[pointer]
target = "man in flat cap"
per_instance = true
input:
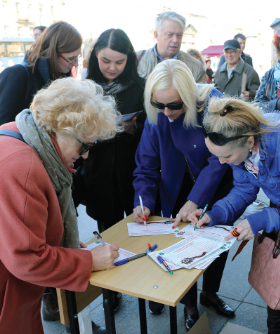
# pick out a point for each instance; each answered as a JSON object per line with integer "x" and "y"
{"x": 235, "y": 77}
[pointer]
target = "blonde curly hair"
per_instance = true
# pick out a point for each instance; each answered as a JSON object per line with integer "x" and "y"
{"x": 76, "y": 108}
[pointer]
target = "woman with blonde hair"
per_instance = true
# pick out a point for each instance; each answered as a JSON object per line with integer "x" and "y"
{"x": 39, "y": 234}
{"x": 172, "y": 159}
{"x": 242, "y": 136}
{"x": 52, "y": 57}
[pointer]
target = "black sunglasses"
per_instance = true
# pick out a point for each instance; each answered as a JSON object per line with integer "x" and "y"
{"x": 218, "y": 138}
{"x": 171, "y": 106}
{"x": 86, "y": 147}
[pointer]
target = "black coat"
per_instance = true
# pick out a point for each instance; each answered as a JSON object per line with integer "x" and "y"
{"x": 18, "y": 85}
{"x": 110, "y": 165}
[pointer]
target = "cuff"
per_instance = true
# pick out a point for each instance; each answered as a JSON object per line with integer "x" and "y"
{"x": 217, "y": 216}
{"x": 258, "y": 221}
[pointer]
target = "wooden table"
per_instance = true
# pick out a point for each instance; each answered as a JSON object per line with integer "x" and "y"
{"x": 141, "y": 278}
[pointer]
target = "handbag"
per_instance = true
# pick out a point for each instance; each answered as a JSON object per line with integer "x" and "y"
{"x": 265, "y": 268}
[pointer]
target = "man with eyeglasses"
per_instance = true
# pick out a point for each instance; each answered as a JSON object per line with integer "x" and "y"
{"x": 235, "y": 77}
{"x": 244, "y": 56}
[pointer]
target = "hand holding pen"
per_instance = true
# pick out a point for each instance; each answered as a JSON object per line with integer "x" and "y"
{"x": 140, "y": 215}
{"x": 197, "y": 220}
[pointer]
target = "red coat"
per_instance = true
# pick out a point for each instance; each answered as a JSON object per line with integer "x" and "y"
{"x": 31, "y": 229}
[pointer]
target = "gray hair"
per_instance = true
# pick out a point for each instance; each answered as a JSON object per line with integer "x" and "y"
{"x": 170, "y": 15}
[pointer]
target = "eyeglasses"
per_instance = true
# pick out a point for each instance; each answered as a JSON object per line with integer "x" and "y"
{"x": 86, "y": 147}
{"x": 218, "y": 138}
{"x": 171, "y": 106}
{"x": 232, "y": 52}
{"x": 70, "y": 62}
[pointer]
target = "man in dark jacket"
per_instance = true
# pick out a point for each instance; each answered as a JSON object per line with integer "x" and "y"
{"x": 235, "y": 77}
{"x": 246, "y": 58}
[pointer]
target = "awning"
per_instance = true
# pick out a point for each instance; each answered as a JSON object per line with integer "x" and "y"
{"x": 213, "y": 50}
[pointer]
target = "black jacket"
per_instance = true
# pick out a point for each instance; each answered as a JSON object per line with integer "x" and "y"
{"x": 18, "y": 85}
{"x": 110, "y": 165}
{"x": 243, "y": 56}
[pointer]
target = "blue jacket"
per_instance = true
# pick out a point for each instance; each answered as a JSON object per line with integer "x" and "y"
{"x": 246, "y": 187}
{"x": 161, "y": 163}
{"x": 267, "y": 93}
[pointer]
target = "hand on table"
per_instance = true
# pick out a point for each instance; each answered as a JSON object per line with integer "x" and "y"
{"x": 184, "y": 213}
{"x": 129, "y": 126}
{"x": 245, "y": 231}
{"x": 138, "y": 216}
{"x": 103, "y": 256}
{"x": 82, "y": 245}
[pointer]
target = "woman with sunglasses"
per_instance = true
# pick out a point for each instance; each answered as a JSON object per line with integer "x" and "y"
{"x": 53, "y": 57}
{"x": 268, "y": 94}
{"x": 248, "y": 140}
{"x": 39, "y": 237}
{"x": 172, "y": 158}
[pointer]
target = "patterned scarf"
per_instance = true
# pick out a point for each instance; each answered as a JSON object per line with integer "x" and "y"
{"x": 59, "y": 175}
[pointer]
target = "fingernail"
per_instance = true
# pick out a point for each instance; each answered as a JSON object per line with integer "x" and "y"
{"x": 146, "y": 216}
{"x": 173, "y": 227}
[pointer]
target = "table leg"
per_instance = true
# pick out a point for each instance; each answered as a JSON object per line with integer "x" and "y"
{"x": 109, "y": 311}
{"x": 142, "y": 314}
{"x": 173, "y": 320}
{"x": 72, "y": 311}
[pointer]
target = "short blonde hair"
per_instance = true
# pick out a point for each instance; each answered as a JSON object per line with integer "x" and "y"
{"x": 77, "y": 108}
{"x": 175, "y": 73}
{"x": 240, "y": 119}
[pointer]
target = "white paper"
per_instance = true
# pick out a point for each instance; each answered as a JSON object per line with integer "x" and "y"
{"x": 124, "y": 254}
{"x": 154, "y": 228}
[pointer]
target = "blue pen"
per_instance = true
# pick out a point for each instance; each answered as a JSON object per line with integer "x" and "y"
{"x": 153, "y": 248}
{"x": 161, "y": 260}
{"x": 119, "y": 263}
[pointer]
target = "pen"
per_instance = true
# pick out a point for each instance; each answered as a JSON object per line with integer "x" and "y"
{"x": 201, "y": 216}
{"x": 142, "y": 208}
{"x": 99, "y": 238}
{"x": 119, "y": 263}
{"x": 161, "y": 260}
{"x": 153, "y": 247}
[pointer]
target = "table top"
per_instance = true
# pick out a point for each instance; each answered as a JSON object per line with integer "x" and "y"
{"x": 143, "y": 278}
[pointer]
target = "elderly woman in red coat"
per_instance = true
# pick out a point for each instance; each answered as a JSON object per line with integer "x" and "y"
{"x": 39, "y": 238}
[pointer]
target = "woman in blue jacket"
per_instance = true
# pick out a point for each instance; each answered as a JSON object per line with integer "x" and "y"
{"x": 268, "y": 94}
{"x": 172, "y": 160}
{"x": 240, "y": 135}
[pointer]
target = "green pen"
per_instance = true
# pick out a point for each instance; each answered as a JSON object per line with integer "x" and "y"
{"x": 201, "y": 216}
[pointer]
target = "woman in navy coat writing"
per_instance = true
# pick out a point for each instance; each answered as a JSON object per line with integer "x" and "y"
{"x": 173, "y": 160}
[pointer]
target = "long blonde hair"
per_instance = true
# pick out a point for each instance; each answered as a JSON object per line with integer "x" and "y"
{"x": 175, "y": 73}
{"x": 233, "y": 117}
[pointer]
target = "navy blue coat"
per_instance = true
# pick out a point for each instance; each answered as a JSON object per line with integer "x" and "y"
{"x": 161, "y": 160}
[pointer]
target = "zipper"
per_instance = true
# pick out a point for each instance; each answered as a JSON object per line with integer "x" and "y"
{"x": 190, "y": 170}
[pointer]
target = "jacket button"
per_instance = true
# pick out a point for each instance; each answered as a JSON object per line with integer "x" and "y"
{"x": 194, "y": 146}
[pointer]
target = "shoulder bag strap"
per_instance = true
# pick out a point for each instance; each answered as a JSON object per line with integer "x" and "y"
{"x": 12, "y": 134}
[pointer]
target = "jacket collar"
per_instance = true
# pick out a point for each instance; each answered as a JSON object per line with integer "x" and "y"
{"x": 238, "y": 68}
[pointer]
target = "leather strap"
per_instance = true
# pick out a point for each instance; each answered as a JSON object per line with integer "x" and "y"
{"x": 12, "y": 134}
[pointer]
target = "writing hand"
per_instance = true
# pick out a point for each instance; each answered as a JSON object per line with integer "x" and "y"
{"x": 193, "y": 218}
{"x": 103, "y": 256}
{"x": 138, "y": 215}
